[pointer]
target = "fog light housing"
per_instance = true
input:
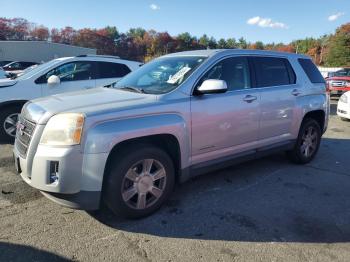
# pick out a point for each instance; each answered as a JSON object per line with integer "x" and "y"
{"x": 343, "y": 98}
{"x": 54, "y": 172}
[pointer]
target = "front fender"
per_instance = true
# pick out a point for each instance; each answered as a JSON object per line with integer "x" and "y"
{"x": 102, "y": 137}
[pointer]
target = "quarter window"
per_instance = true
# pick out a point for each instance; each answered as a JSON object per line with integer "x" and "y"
{"x": 311, "y": 70}
{"x": 273, "y": 71}
{"x": 234, "y": 71}
{"x": 112, "y": 70}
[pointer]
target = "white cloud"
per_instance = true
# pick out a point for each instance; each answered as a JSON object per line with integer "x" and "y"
{"x": 335, "y": 16}
{"x": 266, "y": 22}
{"x": 154, "y": 7}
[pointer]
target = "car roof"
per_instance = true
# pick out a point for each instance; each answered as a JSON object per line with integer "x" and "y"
{"x": 96, "y": 58}
{"x": 212, "y": 52}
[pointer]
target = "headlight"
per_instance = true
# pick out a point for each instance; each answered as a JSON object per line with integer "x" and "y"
{"x": 344, "y": 99}
{"x": 63, "y": 130}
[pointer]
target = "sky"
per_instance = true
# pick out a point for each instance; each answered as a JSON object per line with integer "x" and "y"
{"x": 267, "y": 21}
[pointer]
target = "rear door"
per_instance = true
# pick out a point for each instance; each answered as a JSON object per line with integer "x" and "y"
{"x": 108, "y": 72}
{"x": 227, "y": 123}
{"x": 276, "y": 81}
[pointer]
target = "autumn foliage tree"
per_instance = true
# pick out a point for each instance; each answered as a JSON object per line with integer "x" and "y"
{"x": 339, "y": 47}
{"x": 142, "y": 45}
{"x": 40, "y": 33}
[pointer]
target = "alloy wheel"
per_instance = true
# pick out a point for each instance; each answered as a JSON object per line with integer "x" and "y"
{"x": 10, "y": 124}
{"x": 143, "y": 184}
{"x": 309, "y": 142}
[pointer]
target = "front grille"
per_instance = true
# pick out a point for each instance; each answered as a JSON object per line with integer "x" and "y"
{"x": 338, "y": 83}
{"x": 25, "y": 130}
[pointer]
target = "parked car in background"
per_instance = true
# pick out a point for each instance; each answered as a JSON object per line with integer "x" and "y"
{"x": 3, "y": 63}
{"x": 17, "y": 66}
{"x": 176, "y": 117}
{"x": 3, "y": 74}
{"x": 339, "y": 82}
{"x": 57, "y": 76}
{"x": 343, "y": 109}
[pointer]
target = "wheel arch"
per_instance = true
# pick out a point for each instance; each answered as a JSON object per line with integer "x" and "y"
{"x": 318, "y": 115}
{"x": 168, "y": 142}
{"x": 13, "y": 103}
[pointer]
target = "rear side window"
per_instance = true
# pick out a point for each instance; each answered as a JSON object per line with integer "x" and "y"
{"x": 112, "y": 70}
{"x": 311, "y": 70}
{"x": 273, "y": 71}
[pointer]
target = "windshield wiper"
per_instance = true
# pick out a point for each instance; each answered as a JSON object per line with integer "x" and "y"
{"x": 133, "y": 89}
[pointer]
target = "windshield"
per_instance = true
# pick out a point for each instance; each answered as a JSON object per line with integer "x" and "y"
{"x": 37, "y": 69}
{"x": 344, "y": 72}
{"x": 162, "y": 75}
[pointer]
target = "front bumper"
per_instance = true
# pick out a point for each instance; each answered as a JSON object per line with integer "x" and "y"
{"x": 343, "y": 110}
{"x": 80, "y": 176}
{"x": 338, "y": 91}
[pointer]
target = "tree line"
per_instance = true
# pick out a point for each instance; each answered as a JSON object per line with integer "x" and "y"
{"x": 139, "y": 44}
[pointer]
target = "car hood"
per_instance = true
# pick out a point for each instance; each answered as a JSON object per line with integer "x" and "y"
{"x": 7, "y": 82}
{"x": 339, "y": 78}
{"x": 89, "y": 102}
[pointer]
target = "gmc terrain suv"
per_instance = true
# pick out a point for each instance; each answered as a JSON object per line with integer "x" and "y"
{"x": 56, "y": 76}
{"x": 176, "y": 117}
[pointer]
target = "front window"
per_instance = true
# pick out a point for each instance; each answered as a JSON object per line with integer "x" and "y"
{"x": 234, "y": 71}
{"x": 344, "y": 72}
{"x": 162, "y": 75}
{"x": 74, "y": 71}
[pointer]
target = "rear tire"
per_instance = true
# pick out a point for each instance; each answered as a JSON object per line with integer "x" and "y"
{"x": 8, "y": 121}
{"x": 140, "y": 179}
{"x": 308, "y": 142}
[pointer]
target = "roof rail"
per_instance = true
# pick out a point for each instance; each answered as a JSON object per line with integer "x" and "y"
{"x": 106, "y": 56}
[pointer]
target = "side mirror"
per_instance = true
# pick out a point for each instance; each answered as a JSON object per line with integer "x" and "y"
{"x": 212, "y": 86}
{"x": 53, "y": 80}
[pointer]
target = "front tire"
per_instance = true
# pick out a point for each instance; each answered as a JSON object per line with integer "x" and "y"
{"x": 8, "y": 121}
{"x": 308, "y": 142}
{"x": 140, "y": 179}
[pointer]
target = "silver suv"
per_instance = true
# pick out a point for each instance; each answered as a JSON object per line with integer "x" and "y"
{"x": 176, "y": 117}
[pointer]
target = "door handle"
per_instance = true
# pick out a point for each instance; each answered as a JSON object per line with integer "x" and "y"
{"x": 88, "y": 87}
{"x": 249, "y": 98}
{"x": 295, "y": 92}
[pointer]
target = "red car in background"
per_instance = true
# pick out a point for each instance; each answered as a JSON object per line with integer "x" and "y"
{"x": 338, "y": 82}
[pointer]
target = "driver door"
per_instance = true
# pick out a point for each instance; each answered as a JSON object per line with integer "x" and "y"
{"x": 74, "y": 76}
{"x": 225, "y": 123}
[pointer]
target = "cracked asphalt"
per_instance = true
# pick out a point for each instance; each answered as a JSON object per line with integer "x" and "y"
{"x": 263, "y": 210}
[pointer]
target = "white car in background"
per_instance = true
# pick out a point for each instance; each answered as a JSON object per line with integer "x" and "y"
{"x": 343, "y": 109}
{"x": 2, "y": 73}
{"x": 57, "y": 76}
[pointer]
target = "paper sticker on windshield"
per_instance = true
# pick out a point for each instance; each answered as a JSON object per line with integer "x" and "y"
{"x": 178, "y": 75}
